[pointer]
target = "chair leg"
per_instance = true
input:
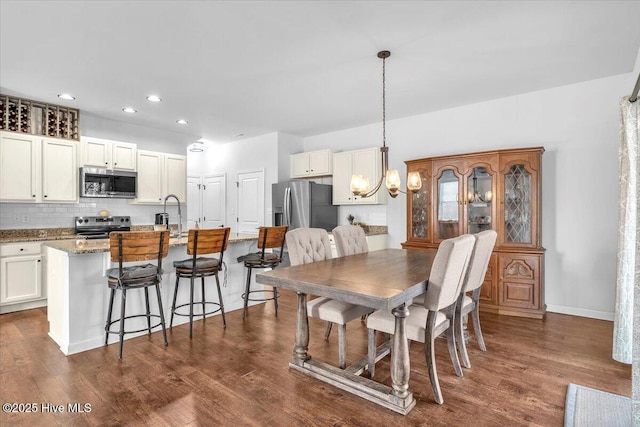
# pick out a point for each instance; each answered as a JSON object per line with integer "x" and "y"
{"x": 451, "y": 343}
{"x": 342, "y": 345}
{"x": 433, "y": 373}
{"x": 246, "y": 292}
{"x": 164, "y": 328}
{"x": 203, "y": 298}
{"x": 475, "y": 314}
{"x": 459, "y": 333}
{"x": 191, "y": 308}
{"x": 371, "y": 353}
{"x": 327, "y": 331}
{"x": 175, "y": 297}
{"x": 146, "y": 300}
{"x": 224, "y": 319}
{"x": 106, "y": 327}
{"x": 122, "y": 310}
{"x": 275, "y": 299}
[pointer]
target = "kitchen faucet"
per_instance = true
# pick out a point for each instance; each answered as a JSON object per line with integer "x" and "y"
{"x": 179, "y": 234}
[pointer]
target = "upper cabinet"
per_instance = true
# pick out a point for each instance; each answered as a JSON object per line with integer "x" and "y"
{"x": 312, "y": 163}
{"x": 367, "y": 163}
{"x": 102, "y": 153}
{"x": 160, "y": 174}
{"x": 469, "y": 193}
{"x": 37, "y": 170}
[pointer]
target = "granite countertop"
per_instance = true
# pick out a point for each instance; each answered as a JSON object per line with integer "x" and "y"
{"x": 83, "y": 246}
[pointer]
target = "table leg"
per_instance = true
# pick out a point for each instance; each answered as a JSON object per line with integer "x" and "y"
{"x": 302, "y": 332}
{"x": 400, "y": 367}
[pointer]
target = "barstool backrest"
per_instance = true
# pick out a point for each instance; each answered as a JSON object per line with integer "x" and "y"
{"x": 126, "y": 246}
{"x": 271, "y": 238}
{"x": 210, "y": 241}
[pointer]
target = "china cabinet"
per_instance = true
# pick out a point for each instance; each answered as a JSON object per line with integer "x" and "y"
{"x": 469, "y": 193}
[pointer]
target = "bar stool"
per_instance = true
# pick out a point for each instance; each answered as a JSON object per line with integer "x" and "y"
{"x": 268, "y": 238}
{"x": 201, "y": 242}
{"x": 136, "y": 246}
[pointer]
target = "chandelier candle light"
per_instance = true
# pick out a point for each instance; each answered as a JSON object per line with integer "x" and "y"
{"x": 360, "y": 184}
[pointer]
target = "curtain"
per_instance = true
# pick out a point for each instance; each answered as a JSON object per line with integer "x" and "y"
{"x": 628, "y": 258}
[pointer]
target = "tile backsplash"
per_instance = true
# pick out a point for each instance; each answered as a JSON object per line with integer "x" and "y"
{"x": 47, "y": 215}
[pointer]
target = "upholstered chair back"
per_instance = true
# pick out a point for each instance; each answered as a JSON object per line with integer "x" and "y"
{"x": 448, "y": 272}
{"x": 350, "y": 240}
{"x": 479, "y": 262}
{"x": 307, "y": 245}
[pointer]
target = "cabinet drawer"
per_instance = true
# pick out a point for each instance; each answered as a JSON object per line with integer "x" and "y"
{"x": 13, "y": 249}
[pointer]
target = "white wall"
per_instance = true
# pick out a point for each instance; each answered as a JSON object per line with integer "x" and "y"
{"x": 248, "y": 154}
{"x": 579, "y": 127}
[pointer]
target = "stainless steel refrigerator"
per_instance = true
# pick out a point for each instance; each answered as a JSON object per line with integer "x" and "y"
{"x": 304, "y": 204}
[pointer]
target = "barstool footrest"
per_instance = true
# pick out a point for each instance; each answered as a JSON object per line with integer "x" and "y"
{"x": 195, "y": 303}
{"x": 273, "y": 291}
{"x": 109, "y": 331}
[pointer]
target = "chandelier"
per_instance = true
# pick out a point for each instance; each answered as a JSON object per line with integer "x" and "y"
{"x": 359, "y": 184}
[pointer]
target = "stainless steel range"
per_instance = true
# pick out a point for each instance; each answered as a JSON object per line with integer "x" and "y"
{"x": 99, "y": 227}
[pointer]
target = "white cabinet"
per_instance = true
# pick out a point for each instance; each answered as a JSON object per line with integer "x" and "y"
{"x": 38, "y": 170}
{"x": 367, "y": 163}
{"x": 102, "y": 153}
{"x": 312, "y": 163}
{"x": 375, "y": 242}
{"x": 160, "y": 174}
{"x": 21, "y": 284}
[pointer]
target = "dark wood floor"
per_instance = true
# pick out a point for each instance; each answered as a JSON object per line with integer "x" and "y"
{"x": 239, "y": 376}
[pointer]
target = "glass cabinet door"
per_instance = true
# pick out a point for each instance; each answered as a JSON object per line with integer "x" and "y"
{"x": 479, "y": 200}
{"x": 420, "y": 209}
{"x": 517, "y": 205}
{"x": 448, "y": 205}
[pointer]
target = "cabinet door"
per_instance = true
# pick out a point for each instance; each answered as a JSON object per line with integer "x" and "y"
{"x": 59, "y": 171}
{"x": 19, "y": 167}
{"x": 448, "y": 184}
{"x": 149, "y": 177}
{"x": 21, "y": 279}
{"x": 300, "y": 165}
{"x": 419, "y": 205}
{"x": 519, "y": 189}
{"x": 320, "y": 162}
{"x": 519, "y": 283}
{"x": 480, "y": 183}
{"x": 368, "y": 163}
{"x": 96, "y": 153}
{"x": 489, "y": 289}
{"x": 175, "y": 176}
{"x": 342, "y": 178}
{"x": 123, "y": 156}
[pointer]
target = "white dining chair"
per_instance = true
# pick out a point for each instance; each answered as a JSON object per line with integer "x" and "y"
{"x": 484, "y": 243}
{"x": 350, "y": 240}
{"x": 306, "y": 245}
{"x": 426, "y": 322}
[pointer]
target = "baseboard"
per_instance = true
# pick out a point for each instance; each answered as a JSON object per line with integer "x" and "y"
{"x": 593, "y": 314}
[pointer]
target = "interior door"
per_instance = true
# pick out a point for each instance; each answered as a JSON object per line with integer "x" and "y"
{"x": 214, "y": 201}
{"x": 250, "y": 201}
{"x": 194, "y": 201}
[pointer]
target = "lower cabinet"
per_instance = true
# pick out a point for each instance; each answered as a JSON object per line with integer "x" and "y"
{"x": 374, "y": 242}
{"x": 21, "y": 284}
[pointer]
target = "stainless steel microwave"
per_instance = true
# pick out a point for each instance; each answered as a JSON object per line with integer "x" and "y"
{"x": 97, "y": 182}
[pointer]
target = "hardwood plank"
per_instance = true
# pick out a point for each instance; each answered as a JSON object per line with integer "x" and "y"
{"x": 240, "y": 376}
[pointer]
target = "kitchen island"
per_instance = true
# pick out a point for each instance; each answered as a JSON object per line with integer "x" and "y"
{"x": 78, "y": 294}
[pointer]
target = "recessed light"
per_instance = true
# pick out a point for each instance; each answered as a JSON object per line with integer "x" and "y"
{"x": 182, "y": 122}
{"x": 66, "y": 96}
{"x": 197, "y": 147}
{"x": 129, "y": 110}
{"x": 154, "y": 98}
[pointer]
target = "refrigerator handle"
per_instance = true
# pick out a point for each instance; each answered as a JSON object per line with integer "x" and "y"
{"x": 286, "y": 206}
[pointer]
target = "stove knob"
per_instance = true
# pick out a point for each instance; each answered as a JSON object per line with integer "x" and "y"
{"x": 126, "y": 219}
{"x": 80, "y": 221}
{"x": 121, "y": 219}
{"x": 86, "y": 220}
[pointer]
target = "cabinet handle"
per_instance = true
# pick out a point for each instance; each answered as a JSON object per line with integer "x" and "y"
{"x": 45, "y": 195}
{"x": 38, "y": 260}
{"x": 33, "y": 195}
{"x": 21, "y": 249}
{"x": 106, "y": 163}
{"x": 115, "y": 164}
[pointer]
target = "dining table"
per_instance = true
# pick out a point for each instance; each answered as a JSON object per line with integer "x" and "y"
{"x": 386, "y": 279}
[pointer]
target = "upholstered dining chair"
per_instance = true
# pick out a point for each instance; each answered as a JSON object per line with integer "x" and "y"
{"x": 484, "y": 243}
{"x": 201, "y": 242}
{"x": 426, "y": 322}
{"x": 306, "y": 245}
{"x": 350, "y": 240}
{"x": 129, "y": 247}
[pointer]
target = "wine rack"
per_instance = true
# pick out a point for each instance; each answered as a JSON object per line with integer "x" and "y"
{"x": 37, "y": 118}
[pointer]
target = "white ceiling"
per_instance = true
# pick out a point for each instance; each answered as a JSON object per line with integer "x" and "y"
{"x": 303, "y": 68}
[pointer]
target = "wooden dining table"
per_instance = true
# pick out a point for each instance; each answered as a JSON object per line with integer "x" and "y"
{"x": 387, "y": 279}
